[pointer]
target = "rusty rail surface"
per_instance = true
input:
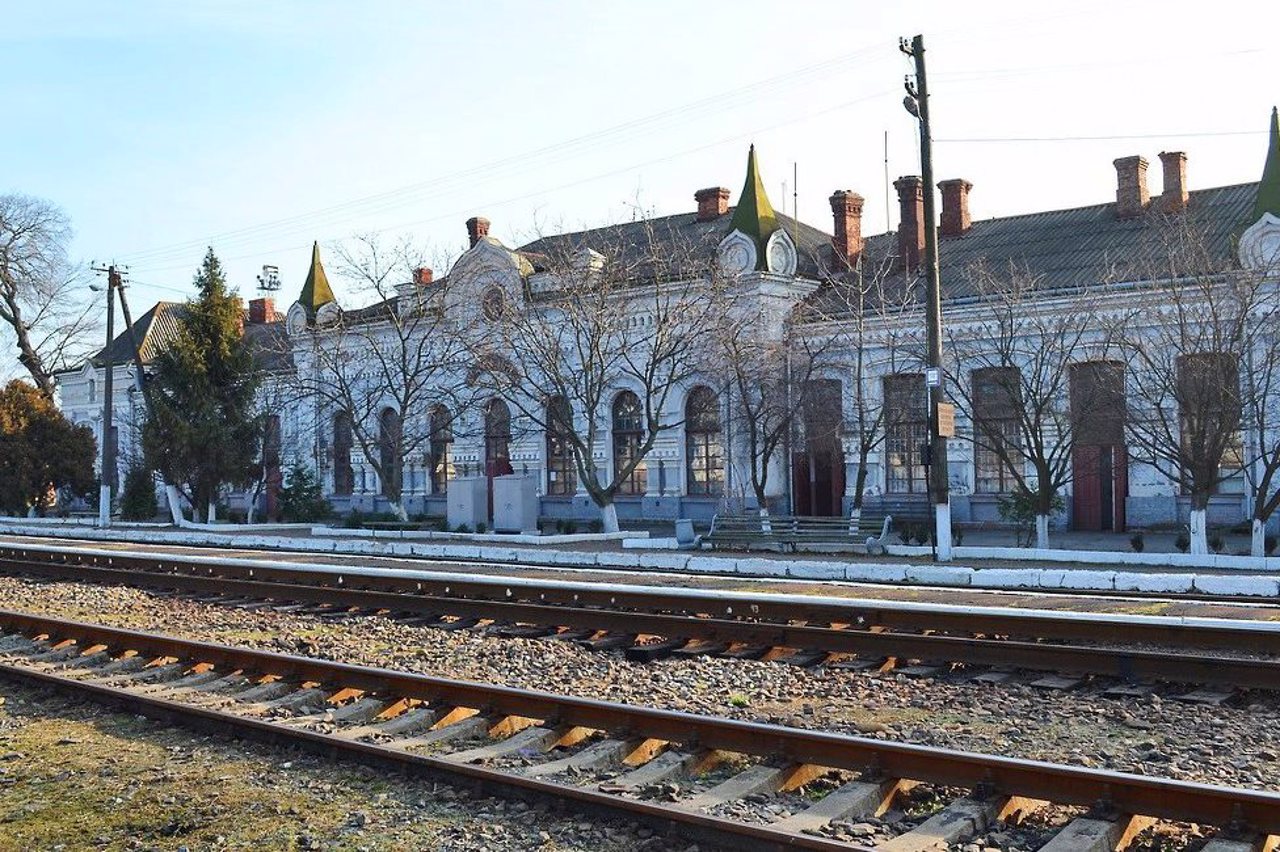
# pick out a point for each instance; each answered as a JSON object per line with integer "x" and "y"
{"x": 989, "y": 776}
{"x": 1154, "y": 648}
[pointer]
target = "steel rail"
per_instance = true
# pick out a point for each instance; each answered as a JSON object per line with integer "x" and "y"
{"x": 464, "y": 561}
{"x": 1158, "y": 798}
{"x": 1259, "y": 637}
{"x": 1125, "y": 664}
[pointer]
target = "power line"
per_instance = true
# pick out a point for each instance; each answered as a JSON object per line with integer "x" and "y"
{"x": 566, "y": 149}
{"x": 1106, "y": 138}
{"x": 577, "y": 182}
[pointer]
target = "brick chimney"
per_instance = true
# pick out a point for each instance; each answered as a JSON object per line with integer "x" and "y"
{"x": 713, "y": 203}
{"x": 846, "y": 220}
{"x": 1174, "y": 198}
{"x": 1132, "y": 197}
{"x": 911, "y": 229}
{"x": 262, "y": 311}
{"x": 477, "y": 229}
{"x": 955, "y": 207}
{"x": 422, "y": 276}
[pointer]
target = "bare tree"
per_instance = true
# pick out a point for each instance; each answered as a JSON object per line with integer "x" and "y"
{"x": 871, "y": 335}
{"x": 384, "y": 365}
{"x": 42, "y": 294}
{"x": 1186, "y": 335}
{"x": 627, "y": 313}
{"x": 1011, "y": 372}
{"x": 769, "y": 364}
{"x": 1261, "y": 387}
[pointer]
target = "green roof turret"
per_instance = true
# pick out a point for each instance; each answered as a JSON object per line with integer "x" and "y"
{"x": 1268, "y": 198}
{"x": 316, "y": 292}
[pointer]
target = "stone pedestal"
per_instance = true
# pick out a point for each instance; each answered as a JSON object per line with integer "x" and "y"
{"x": 468, "y": 502}
{"x": 515, "y": 504}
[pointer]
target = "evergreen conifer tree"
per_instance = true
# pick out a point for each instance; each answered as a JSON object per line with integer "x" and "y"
{"x": 203, "y": 429}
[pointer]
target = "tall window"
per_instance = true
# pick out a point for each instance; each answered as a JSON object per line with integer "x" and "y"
{"x": 344, "y": 478}
{"x": 389, "y": 451}
{"x": 497, "y": 438}
{"x": 628, "y": 436}
{"x": 562, "y": 478}
{"x": 906, "y": 414}
{"x": 704, "y": 450}
{"x": 440, "y": 450}
{"x": 996, "y": 431}
{"x": 1209, "y": 417}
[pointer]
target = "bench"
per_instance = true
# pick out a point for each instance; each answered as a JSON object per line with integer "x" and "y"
{"x": 781, "y": 532}
{"x": 894, "y": 515}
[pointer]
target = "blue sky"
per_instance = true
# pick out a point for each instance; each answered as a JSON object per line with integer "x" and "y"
{"x": 258, "y": 127}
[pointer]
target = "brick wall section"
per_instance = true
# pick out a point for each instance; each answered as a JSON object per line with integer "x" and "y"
{"x": 477, "y": 229}
{"x": 1132, "y": 197}
{"x": 422, "y": 276}
{"x": 955, "y": 220}
{"x": 911, "y": 227}
{"x": 713, "y": 203}
{"x": 1174, "y": 166}
{"x": 846, "y": 218}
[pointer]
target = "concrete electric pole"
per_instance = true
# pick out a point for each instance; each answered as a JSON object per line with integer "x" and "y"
{"x": 108, "y": 392}
{"x": 941, "y": 414}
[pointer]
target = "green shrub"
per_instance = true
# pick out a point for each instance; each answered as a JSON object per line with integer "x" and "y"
{"x": 922, "y": 534}
{"x": 138, "y": 499}
{"x": 1268, "y": 543}
{"x": 904, "y": 534}
{"x": 462, "y": 528}
{"x": 1137, "y": 542}
{"x": 482, "y": 527}
{"x": 1216, "y": 542}
{"x": 302, "y": 499}
{"x": 595, "y": 525}
{"x": 1019, "y": 509}
{"x": 1182, "y": 542}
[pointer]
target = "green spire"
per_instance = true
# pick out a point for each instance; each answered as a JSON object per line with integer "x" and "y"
{"x": 316, "y": 291}
{"x": 1268, "y": 200}
{"x": 754, "y": 214}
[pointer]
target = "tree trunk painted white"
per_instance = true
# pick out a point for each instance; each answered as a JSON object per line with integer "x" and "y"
{"x": 1199, "y": 538}
{"x": 765, "y": 526}
{"x": 1258, "y": 539}
{"x": 855, "y": 520}
{"x": 175, "y": 504}
{"x": 212, "y": 514}
{"x": 1042, "y": 532}
{"x": 31, "y": 510}
{"x": 397, "y": 508}
{"x": 609, "y": 518}
{"x": 104, "y": 505}
{"x": 253, "y": 506}
{"x": 943, "y": 528}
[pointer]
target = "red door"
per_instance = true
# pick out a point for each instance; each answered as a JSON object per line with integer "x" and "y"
{"x": 1100, "y": 483}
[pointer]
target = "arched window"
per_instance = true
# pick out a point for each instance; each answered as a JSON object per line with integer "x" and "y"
{"x": 561, "y": 473}
{"x": 93, "y": 391}
{"x": 704, "y": 450}
{"x": 497, "y": 438}
{"x": 389, "y": 452}
{"x": 344, "y": 479}
{"x": 440, "y": 452}
{"x": 628, "y": 436}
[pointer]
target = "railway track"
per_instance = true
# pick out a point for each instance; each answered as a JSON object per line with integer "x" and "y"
{"x": 649, "y": 623}
{"x": 1221, "y": 655}
{"x": 611, "y": 758}
{"x": 462, "y": 563}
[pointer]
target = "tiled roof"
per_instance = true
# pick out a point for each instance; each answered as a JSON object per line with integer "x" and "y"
{"x": 679, "y": 236}
{"x": 153, "y": 330}
{"x": 1061, "y": 249}
{"x": 158, "y": 327}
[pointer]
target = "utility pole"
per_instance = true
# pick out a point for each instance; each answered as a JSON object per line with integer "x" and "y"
{"x": 108, "y": 445}
{"x": 940, "y": 412}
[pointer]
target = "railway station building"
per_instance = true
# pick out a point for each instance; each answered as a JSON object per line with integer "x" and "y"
{"x": 848, "y": 309}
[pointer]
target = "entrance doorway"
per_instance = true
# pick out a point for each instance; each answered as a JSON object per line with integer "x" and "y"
{"x": 1099, "y": 460}
{"x": 817, "y": 471}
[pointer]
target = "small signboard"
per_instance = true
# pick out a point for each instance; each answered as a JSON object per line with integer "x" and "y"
{"x": 946, "y": 413}
{"x": 932, "y": 377}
